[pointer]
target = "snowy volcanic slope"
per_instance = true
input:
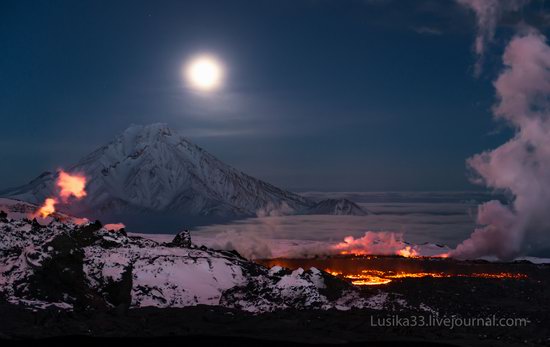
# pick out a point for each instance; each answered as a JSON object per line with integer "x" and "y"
{"x": 82, "y": 267}
{"x": 151, "y": 168}
{"x": 337, "y": 207}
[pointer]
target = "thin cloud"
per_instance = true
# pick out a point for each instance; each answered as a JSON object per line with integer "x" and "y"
{"x": 488, "y": 14}
{"x": 424, "y": 30}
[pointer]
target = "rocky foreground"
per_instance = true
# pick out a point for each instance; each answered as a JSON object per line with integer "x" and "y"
{"x": 69, "y": 281}
{"x": 88, "y": 267}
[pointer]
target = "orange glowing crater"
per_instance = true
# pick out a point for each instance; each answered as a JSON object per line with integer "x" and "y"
{"x": 47, "y": 208}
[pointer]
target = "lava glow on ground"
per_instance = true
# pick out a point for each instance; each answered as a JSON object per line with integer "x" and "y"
{"x": 381, "y": 270}
{"x": 375, "y": 277}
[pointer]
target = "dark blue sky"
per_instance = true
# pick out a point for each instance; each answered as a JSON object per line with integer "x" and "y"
{"x": 320, "y": 95}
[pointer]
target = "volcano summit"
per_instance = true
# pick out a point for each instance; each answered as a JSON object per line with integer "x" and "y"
{"x": 151, "y": 171}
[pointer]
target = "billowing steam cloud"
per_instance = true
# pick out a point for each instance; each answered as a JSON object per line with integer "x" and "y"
{"x": 71, "y": 185}
{"x": 488, "y": 13}
{"x": 378, "y": 243}
{"x": 522, "y": 165}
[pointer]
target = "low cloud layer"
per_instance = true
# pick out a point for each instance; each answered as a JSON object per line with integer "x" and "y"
{"x": 416, "y": 222}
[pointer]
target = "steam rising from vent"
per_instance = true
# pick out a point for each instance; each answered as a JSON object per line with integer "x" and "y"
{"x": 70, "y": 185}
{"x": 522, "y": 165}
{"x": 488, "y": 13}
{"x": 377, "y": 243}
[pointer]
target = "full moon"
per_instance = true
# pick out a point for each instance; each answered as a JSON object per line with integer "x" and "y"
{"x": 204, "y": 73}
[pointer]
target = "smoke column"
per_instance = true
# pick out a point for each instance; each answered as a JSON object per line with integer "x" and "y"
{"x": 522, "y": 165}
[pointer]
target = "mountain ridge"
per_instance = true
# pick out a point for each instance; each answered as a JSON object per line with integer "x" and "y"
{"x": 152, "y": 169}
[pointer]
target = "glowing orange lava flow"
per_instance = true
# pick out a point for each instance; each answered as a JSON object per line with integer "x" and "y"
{"x": 376, "y": 277}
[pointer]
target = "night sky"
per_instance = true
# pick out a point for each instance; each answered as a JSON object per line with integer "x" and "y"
{"x": 319, "y": 95}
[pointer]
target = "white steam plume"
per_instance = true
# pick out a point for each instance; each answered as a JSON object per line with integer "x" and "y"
{"x": 522, "y": 165}
{"x": 488, "y": 13}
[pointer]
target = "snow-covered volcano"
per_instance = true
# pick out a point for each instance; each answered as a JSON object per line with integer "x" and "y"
{"x": 152, "y": 168}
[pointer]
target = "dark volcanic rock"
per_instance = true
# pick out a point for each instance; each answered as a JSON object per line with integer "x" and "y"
{"x": 200, "y": 324}
{"x": 182, "y": 239}
{"x": 58, "y": 272}
{"x": 119, "y": 293}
